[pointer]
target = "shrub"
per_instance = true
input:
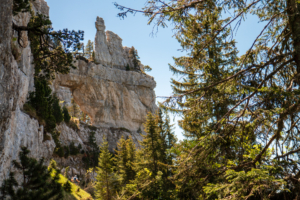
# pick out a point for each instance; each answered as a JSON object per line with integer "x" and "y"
{"x": 73, "y": 125}
{"x": 27, "y": 108}
{"x": 46, "y": 137}
{"x": 73, "y": 149}
{"x": 127, "y": 68}
{"x": 67, "y": 151}
{"x": 67, "y": 187}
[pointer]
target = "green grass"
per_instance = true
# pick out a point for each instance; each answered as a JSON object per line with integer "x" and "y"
{"x": 75, "y": 194}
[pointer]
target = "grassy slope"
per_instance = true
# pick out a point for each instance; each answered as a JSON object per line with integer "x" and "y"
{"x": 81, "y": 195}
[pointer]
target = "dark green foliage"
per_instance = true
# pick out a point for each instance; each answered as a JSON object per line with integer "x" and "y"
{"x": 50, "y": 60}
{"x": 51, "y": 49}
{"x": 67, "y": 151}
{"x": 67, "y": 187}
{"x": 57, "y": 111}
{"x": 127, "y": 68}
{"x": 21, "y": 6}
{"x": 73, "y": 149}
{"x": 94, "y": 154}
{"x": 124, "y": 161}
{"x": 59, "y": 149}
{"x": 42, "y": 101}
{"x": 36, "y": 184}
{"x": 66, "y": 115}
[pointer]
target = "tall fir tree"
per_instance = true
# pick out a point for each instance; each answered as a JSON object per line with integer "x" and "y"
{"x": 105, "y": 177}
{"x": 124, "y": 161}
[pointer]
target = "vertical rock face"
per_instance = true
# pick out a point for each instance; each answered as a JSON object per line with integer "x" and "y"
{"x": 16, "y": 79}
{"x": 102, "y": 54}
{"x": 116, "y": 50}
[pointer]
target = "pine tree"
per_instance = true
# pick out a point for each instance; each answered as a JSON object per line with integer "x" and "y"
{"x": 135, "y": 58}
{"x": 36, "y": 181}
{"x": 57, "y": 111}
{"x": 66, "y": 114}
{"x": 20, "y": 6}
{"x": 89, "y": 48}
{"x": 95, "y": 149}
{"x": 124, "y": 161}
{"x": 48, "y": 58}
{"x": 105, "y": 177}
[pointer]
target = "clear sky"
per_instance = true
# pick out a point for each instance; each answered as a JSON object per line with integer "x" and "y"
{"x": 156, "y": 51}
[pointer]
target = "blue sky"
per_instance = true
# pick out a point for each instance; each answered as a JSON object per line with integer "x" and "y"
{"x": 156, "y": 51}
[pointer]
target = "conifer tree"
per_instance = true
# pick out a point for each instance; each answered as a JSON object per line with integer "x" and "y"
{"x": 57, "y": 111}
{"x": 42, "y": 100}
{"x": 66, "y": 114}
{"x": 105, "y": 177}
{"x": 124, "y": 161}
{"x": 135, "y": 58}
{"x": 36, "y": 181}
{"x": 95, "y": 149}
{"x": 89, "y": 48}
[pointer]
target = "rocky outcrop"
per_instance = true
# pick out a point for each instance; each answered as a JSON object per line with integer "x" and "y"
{"x": 110, "y": 96}
{"x": 109, "y": 51}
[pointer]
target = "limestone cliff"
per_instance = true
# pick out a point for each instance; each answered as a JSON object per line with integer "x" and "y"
{"x": 116, "y": 100}
{"x": 16, "y": 79}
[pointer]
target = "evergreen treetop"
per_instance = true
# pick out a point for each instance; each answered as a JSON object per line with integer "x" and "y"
{"x": 105, "y": 178}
